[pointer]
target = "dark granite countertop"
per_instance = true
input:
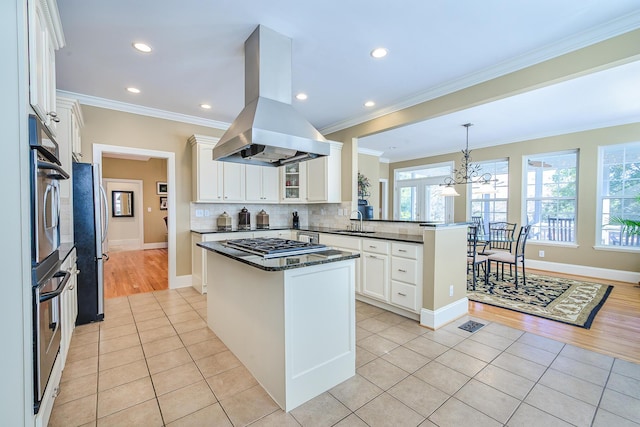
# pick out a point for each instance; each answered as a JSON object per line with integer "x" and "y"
{"x": 279, "y": 264}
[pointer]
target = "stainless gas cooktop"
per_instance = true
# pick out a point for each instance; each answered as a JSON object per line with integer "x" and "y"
{"x": 273, "y": 247}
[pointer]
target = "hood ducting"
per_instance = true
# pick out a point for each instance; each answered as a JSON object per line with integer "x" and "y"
{"x": 269, "y": 131}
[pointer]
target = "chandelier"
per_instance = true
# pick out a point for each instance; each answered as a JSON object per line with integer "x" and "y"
{"x": 468, "y": 173}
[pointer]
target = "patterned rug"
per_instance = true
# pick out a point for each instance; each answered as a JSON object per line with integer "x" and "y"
{"x": 564, "y": 300}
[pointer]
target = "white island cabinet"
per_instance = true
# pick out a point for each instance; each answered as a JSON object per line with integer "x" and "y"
{"x": 290, "y": 321}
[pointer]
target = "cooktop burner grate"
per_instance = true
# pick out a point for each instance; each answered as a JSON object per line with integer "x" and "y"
{"x": 271, "y": 247}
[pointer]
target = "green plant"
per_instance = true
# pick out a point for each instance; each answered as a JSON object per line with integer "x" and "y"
{"x": 628, "y": 226}
{"x": 363, "y": 186}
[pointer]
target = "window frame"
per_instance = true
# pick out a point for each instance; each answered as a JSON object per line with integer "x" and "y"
{"x": 526, "y": 199}
{"x": 491, "y": 200}
{"x": 421, "y": 184}
{"x": 600, "y": 198}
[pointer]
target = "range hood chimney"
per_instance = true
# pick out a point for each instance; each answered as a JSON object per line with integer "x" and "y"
{"x": 269, "y": 131}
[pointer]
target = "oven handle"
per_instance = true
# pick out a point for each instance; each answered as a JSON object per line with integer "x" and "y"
{"x": 50, "y": 295}
{"x": 52, "y": 166}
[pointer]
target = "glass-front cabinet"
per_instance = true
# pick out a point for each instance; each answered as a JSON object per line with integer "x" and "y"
{"x": 294, "y": 182}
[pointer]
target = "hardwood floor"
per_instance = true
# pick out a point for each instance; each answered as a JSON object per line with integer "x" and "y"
{"x": 615, "y": 330}
{"x": 135, "y": 272}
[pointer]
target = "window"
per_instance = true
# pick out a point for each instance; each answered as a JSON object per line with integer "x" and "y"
{"x": 417, "y": 195}
{"x": 618, "y": 195}
{"x": 551, "y": 201}
{"x": 491, "y": 207}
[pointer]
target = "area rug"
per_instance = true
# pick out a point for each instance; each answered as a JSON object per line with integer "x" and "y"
{"x": 563, "y": 300}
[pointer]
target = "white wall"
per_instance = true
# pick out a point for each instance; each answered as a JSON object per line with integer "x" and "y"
{"x": 125, "y": 233}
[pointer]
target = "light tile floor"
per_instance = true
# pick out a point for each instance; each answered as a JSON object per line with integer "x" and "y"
{"x": 154, "y": 362}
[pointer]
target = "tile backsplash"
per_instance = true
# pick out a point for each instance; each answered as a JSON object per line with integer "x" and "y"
{"x": 331, "y": 215}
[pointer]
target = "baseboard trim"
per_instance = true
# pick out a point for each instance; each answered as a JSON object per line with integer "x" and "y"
{"x": 122, "y": 245}
{"x": 181, "y": 282}
{"x": 444, "y": 315}
{"x": 584, "y": 270}
{"x": 158, "y": 245}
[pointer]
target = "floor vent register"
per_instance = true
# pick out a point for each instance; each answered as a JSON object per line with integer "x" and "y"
{"x": 471, "y": 326}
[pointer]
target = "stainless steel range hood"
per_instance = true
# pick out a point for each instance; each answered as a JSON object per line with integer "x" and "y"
{"x": 269, "y": 131}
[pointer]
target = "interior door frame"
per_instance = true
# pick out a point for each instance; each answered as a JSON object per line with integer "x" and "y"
{"x": 99, "y": 149}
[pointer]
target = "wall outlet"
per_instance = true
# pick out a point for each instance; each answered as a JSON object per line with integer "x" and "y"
{"x": 541, "y": 254}
{"x": 199, "y": 213}
{"x": 451, "y": 290}
{"x": 148, "y": 209}
{"x": 207, "y": 213}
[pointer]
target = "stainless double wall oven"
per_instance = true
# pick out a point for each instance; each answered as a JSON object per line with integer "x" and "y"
{"x": 47, "y": 281}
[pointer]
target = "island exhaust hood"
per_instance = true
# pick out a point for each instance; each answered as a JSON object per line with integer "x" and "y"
{"x": 269, "y": 131}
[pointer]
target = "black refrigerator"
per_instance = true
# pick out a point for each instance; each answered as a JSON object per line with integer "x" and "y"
{"x": 90, "y": 224}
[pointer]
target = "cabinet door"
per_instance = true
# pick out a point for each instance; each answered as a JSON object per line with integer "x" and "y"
{"x": 233, "y": 181}
{"x": 208, "y": 177}
{"x": 375, "y": 276}
{"x": 294, "y": 182}
{"x": 38, "y": 60}
{"x": 270, "y": 187}
{"x": 317, "y": 180}
{"x": 253, "y": 183}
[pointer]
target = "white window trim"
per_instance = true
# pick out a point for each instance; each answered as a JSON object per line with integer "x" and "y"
{"x": 524, "y": 219}
{"x": 597, "y": 246}
{"x": 396, "y": 193}
{"x": 470, "y": 191}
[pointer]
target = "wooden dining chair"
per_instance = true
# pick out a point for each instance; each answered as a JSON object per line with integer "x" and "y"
{"x": 475, "y": 260}
{"x": 512, "y": 259}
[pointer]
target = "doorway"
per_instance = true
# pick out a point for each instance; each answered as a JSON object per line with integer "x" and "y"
{"x": 99, "y": 149}
{"x": 126, "y": 232}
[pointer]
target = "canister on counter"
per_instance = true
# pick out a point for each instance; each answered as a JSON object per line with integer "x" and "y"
{"x": 244, "y": 220}
{"x": 262, "y": 220}
{"x": 224, "y": 222}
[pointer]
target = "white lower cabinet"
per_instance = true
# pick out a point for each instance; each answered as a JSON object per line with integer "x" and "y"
{"x": 387, "y": 271}
{"x": 375, "y": 275}
{"x": 68, "y": 305}
{"x": 199, "y": 276}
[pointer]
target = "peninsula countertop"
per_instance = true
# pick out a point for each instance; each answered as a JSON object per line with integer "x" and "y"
{"x": 279, "y": 264}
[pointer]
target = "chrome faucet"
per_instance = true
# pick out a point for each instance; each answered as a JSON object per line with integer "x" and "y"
{"x": 359, "y": 213}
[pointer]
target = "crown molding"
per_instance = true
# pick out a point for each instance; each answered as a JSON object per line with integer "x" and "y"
{"x": 370, "y": 152}
{"x": 572, "y": 43}
{"x": 95, "y": 101}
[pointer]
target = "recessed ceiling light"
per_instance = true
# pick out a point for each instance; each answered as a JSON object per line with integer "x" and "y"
{"x": 379, "y": 52}
{"x": 142, "y": 47}
{"x": 133, "y": 90}
{"x": 205, "y": 106}
{"x": 369, "y": 104}
{"x": 301, "y": 96}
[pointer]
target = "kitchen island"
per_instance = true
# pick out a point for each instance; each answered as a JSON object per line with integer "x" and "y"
{"x": 290, "y": 320}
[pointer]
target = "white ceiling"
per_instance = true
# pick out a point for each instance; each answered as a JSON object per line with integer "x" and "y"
{"x": 434, "y": 48}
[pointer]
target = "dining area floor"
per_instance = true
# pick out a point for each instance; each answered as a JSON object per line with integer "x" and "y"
{"x": 153, "y": 362}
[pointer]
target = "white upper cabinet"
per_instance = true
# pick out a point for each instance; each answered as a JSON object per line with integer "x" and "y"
{"x": 214, "y": 181}
{"x": 324, "y": 176}
{"x": 45, "y": 37}
{"x": 68, "y": 137}
{"x": 294, "y": 182}
{"x": 261, "y": 184}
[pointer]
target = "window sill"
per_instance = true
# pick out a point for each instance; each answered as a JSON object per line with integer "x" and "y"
{"x": 630, "y": 249}
{"x": 571, "y": 245}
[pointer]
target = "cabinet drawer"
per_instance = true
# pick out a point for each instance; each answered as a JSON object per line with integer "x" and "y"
{"x": 404, "y": 295}
{"x": 375, "y": 246}
{"x": 404, "y": 250}
{"x": 405, "y": 270}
